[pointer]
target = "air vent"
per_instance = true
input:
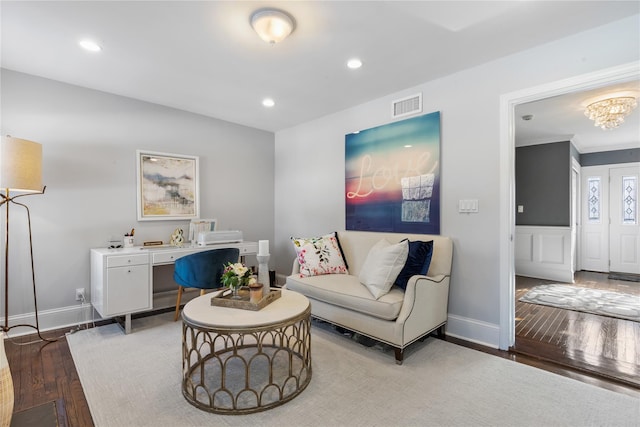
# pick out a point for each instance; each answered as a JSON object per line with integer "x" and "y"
{"x": 406, "y": 106}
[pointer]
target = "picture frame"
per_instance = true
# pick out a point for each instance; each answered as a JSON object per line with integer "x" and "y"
{"x": 392, "y": 177}
{"x": 199, "y": 225}
{"x": 167, "y": 186}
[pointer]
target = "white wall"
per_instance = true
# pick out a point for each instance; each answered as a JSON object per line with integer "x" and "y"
{"x": 309, "y": 175}
{"x": 89, "y": 141}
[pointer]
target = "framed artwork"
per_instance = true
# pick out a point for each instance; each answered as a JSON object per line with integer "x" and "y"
{"x": 167, "y": 187}
{"x": 392, "y": 177}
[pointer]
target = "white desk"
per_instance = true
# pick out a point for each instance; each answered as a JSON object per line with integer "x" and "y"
{"x": 122, "y": 279}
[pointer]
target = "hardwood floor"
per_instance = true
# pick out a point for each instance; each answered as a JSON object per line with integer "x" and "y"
{"x": 601, "y": 345}
{"x": 45, "y": 372}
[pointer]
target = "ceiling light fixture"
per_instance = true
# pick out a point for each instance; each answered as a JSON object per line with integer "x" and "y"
{"x": 610, "y": 113}
{"x": 354, "y": 63}
{"x": 90, "y": 45}
{"x": 268, "y": 102}
{"x": 272, "y": 25}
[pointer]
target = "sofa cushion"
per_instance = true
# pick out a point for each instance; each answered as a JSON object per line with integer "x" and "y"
{"x": 418, "y": 262}
{"x": 346, "y": 291}
{"x": 382, "y": 266}
{"x": 319, "y": 255}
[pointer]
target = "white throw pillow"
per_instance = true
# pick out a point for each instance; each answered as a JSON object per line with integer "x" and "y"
{"x": 382, "y": 266}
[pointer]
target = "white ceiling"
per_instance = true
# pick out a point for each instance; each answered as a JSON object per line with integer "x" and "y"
{"x": 204, "y": 57}
{"x": 561, "y": 118}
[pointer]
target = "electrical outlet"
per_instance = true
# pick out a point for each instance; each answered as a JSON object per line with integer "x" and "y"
{"x": 80, "y": 294}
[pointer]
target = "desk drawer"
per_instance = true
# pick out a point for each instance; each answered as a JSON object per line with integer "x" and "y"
{"x": 121, "y": 261}
{"x": 248, "y": 248}
{"x": 170, "y": 257}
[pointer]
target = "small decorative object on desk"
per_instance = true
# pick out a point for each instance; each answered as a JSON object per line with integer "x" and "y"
{"x": 128, "y": 239}
{"x": 236, "y": 276}
{"x": 177, "y": 238}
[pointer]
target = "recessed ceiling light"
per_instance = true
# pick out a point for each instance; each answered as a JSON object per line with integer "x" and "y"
{"x": 354, "y": 63}
{"x": 268, "y": 102}
{"x": 90, "y": 45}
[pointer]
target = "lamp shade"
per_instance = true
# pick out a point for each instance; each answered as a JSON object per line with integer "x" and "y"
{"x": 20, "y": 165}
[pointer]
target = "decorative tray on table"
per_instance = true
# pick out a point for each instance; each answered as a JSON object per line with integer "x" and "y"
{"x": 244, "y": 303}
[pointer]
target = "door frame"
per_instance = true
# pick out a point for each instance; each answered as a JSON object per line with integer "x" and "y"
{"x": 508, "y": 102}
{"x": 576, "y": 214}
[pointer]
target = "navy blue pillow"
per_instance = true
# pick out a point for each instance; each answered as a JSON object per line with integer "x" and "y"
{"x": 418, "y": 262}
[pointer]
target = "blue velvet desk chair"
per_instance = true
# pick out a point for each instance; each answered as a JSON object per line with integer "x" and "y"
{"x": 202, "y": 270}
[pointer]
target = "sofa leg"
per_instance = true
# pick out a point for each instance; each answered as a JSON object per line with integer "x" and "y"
{"x": 441, "y": 333}
{"x": 399, "y": 355}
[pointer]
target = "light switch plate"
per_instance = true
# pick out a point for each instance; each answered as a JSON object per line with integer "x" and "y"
{"x": 468, "y": 206}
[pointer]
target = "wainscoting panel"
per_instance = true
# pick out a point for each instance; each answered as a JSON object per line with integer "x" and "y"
{"x": 544, "y": 253}
{"x": 551, "y": 248}
{"x": 524, "y": 247}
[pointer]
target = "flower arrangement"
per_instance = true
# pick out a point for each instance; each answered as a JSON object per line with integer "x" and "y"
{"x": 236, "y": 275}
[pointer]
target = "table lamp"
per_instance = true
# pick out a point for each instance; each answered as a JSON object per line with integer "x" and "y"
{"x": 20, "y": 175}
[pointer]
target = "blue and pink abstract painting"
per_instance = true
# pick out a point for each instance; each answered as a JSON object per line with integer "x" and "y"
{"x": 392, "y": 177}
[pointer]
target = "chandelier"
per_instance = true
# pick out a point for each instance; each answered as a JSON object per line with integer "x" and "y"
{"x": 610, "y": 113}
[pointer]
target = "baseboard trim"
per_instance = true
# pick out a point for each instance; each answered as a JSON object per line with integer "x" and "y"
{"x": 463, "y": 328}
{"x": 546, "y": 274}
{"x": 59, "y": 318}
{"x": 475, "y": 331}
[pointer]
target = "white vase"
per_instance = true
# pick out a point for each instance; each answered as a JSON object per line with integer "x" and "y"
{"x": 6, "y": 387}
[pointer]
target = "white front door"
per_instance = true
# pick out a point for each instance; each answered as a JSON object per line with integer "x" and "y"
{"x": 594, "y": 244}
{"x": 624, "y": 228}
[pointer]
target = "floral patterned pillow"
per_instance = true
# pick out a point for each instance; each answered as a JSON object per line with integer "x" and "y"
{"x": 319, "y": 255}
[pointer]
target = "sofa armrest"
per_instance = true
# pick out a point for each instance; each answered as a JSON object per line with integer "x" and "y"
{"x": 295, "y": 269}
{"x": 425, "y": 305}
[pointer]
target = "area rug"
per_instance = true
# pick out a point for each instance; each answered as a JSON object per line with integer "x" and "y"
{"x": 595, "y": 301}
{"x": 134, "y": 380}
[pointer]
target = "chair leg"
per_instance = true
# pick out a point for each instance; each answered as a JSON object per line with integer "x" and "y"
{"x": 178, "y": 303}
{"x": 202, "y": 292}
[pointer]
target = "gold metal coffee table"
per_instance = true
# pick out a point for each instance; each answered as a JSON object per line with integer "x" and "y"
{"x": 238, "y": 361}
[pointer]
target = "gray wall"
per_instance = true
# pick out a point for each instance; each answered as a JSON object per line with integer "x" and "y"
{"x": 543, "y": 184}
{"x": 89, "y": 141}
{"x": 610, "y": 157}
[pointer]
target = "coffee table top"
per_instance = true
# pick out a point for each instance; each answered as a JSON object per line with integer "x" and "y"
{"x": 200, "y": 312}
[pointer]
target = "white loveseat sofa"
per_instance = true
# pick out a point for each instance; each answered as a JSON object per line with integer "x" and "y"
{"x": 397, "y": 318}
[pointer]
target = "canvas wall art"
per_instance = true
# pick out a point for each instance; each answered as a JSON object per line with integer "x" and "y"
{"x": 392, "y": 177}
{"x": 167, "y": 186}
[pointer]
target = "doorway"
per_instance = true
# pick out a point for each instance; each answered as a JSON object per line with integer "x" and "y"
{"x": 508, "y": 102}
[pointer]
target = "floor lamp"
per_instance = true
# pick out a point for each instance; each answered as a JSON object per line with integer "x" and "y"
{"x": 20, "y": 175}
